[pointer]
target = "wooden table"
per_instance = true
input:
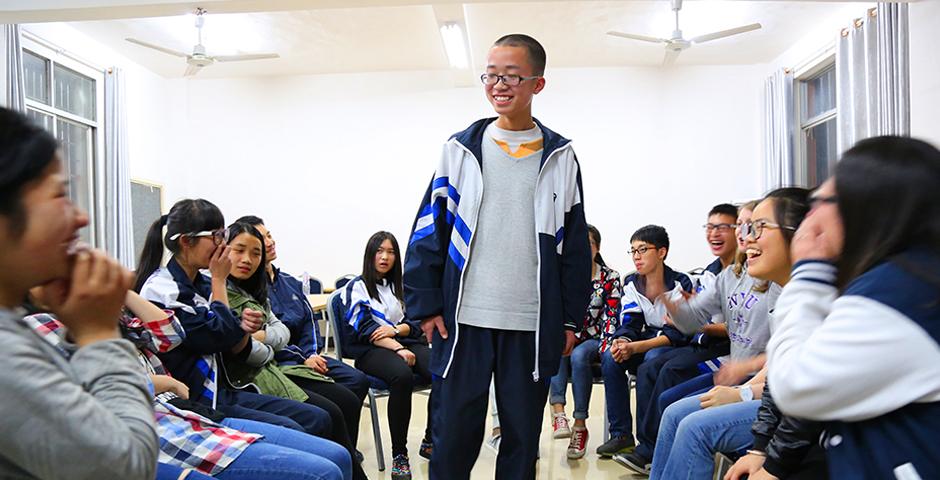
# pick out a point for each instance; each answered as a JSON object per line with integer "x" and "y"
{"x": 318, "y": 301}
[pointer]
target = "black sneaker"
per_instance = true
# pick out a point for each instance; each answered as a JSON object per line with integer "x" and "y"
{"x": 426, "y": 449}
{"x": 616, "y": 445}
{"x": 634, "y": 462}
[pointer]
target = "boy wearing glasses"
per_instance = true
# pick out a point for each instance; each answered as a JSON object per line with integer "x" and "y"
{"x": 498, "y": 268}
{"x": 656, "y": 376}
{"x": 643, "y": 330}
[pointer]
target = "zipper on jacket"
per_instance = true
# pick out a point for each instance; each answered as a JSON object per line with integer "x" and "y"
{"x": 538, "y": 277}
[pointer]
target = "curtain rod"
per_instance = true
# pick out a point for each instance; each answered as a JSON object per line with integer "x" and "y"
{"x": 61, "y": 51}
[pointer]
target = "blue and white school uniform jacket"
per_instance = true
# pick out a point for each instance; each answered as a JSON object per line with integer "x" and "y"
{"x": 442, "y": 241}
{"x": 210, "y": 328}
{"x": 290, "y": 305}
{"x": 642, "y": 319}
{"x": 867, "y": 362}
{"x": 365, "y": 314}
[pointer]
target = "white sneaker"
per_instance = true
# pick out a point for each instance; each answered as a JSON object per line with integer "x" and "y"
{"x": 493, "y": 442}
{"x": 560, "y": 428}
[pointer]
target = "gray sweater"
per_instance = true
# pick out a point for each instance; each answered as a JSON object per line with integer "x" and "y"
{"x": 501, "y": 283}
{"x": 745, "y": 310}
{"x": 88, "y": 417}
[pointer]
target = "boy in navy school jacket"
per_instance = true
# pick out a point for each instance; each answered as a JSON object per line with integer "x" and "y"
{"x": 499, "y": 280}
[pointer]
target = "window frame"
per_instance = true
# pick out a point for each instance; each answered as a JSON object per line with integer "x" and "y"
{"x": 57, "y": 56}
{"x": 811, "y": 69}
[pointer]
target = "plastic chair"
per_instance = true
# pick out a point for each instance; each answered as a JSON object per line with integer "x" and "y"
{"x": 342, "y": 281}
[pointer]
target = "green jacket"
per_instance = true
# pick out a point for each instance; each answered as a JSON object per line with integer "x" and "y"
{"x": 269, "y": 378}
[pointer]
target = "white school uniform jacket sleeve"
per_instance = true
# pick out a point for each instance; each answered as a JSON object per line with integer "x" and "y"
{"x": 849, "y": 358}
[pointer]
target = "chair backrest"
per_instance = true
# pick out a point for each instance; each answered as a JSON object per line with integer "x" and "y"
{"x": 316, "y": 286}
{"x": 336, "y": 315}
{"x": 342, "y": 281}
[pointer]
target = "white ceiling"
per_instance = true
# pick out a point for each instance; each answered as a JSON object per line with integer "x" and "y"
{"x": 406, "y": 37}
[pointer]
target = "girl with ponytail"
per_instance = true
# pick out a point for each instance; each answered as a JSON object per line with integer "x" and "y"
{"x": 196, "y": 237}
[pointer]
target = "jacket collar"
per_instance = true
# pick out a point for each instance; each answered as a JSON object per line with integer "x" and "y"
{"x": 472, "y": 139}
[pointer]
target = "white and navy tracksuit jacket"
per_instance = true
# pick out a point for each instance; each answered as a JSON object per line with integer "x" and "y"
{"x": 210, "y": 328}
{"x": 642, "y": 318}
{"x": 867, "y": 362}
{"x": 442, "y": 241}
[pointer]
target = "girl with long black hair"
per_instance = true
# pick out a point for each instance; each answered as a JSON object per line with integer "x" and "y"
{"x": 385, "y": 342}
{"x": 857, "y": 333}
{"x": 248, "y": 293}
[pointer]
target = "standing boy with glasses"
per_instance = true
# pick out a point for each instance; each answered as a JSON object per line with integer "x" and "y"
{"x": 501, "y": 279}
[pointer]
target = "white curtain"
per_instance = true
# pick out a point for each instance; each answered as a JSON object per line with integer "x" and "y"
{"x": 778, "y": 130}
{"x": 14, "y": 85}
{"x": 113, "y": 183}
{"x": 873, "y": 76}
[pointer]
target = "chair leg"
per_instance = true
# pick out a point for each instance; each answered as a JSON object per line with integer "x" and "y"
{"x": 326, "y": 338}
{"x": 606, "y": 422}
{"x": 376, "y": 431}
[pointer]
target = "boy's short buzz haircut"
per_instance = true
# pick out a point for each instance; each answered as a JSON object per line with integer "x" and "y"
{"x": 532, "y": 46}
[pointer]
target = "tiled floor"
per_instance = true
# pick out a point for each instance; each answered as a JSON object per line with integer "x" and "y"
{"x": 553, "y": 464}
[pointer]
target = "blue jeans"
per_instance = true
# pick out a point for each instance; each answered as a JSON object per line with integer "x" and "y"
{"x": 286, "y": 453}
{"x": 689, "y": 437}
{"x": 578, "y": 367}
{"x": 166, "y": 471}
{"x": 617, "y": 393}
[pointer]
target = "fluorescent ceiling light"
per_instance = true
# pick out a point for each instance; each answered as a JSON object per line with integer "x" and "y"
{"x": 454, "y": 45}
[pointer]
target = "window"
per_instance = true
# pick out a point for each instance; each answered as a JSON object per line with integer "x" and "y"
{"x": 62, "y": 96}
{"x": 816, "y": 107}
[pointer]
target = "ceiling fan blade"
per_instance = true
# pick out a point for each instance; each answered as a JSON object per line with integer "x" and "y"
{"x": 670, "y": 58}
{"x": 191, "y": 70}
{"x": 169, "y": 51}
{"x": 725, "y": 33}
{"x": 642, "y": 38}
{"x": 241, "y": 58}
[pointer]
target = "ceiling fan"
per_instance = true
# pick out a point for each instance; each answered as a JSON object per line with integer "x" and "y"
{"x": 199, "y": 59}
{"x": 676, "y": 44}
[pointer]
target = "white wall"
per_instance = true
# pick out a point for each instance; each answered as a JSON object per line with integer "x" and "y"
{"x": 342, "y": 156}
{"x": 925, "y": 70}
{"x": 339, "y": 157}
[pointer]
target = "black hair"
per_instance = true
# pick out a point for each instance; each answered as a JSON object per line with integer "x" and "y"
{"x": 791, "y": 204}
{"x": 596, "y": 236}
{"x": 26, "y": 149}
{"x": 887, "y": 198}
{"x": 186, "y": 216}
{"x": 370, "y": 276}
{"x": 250, "y": 220}
{"x": 724, "y": 209}
{"x": 257, "y": 284}
{"x": 536, "y": 52}
{"x": 653, "y": 235}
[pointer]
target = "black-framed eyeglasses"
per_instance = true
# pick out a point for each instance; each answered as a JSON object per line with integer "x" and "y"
{"x": 721, "y": 227}
{"x": 756, "y": 229}
{"x": 509, "y": 80}
{"x": 816, "y": 200}
{"x": 219, "y": 236}
{"x": 640, "y": 250}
